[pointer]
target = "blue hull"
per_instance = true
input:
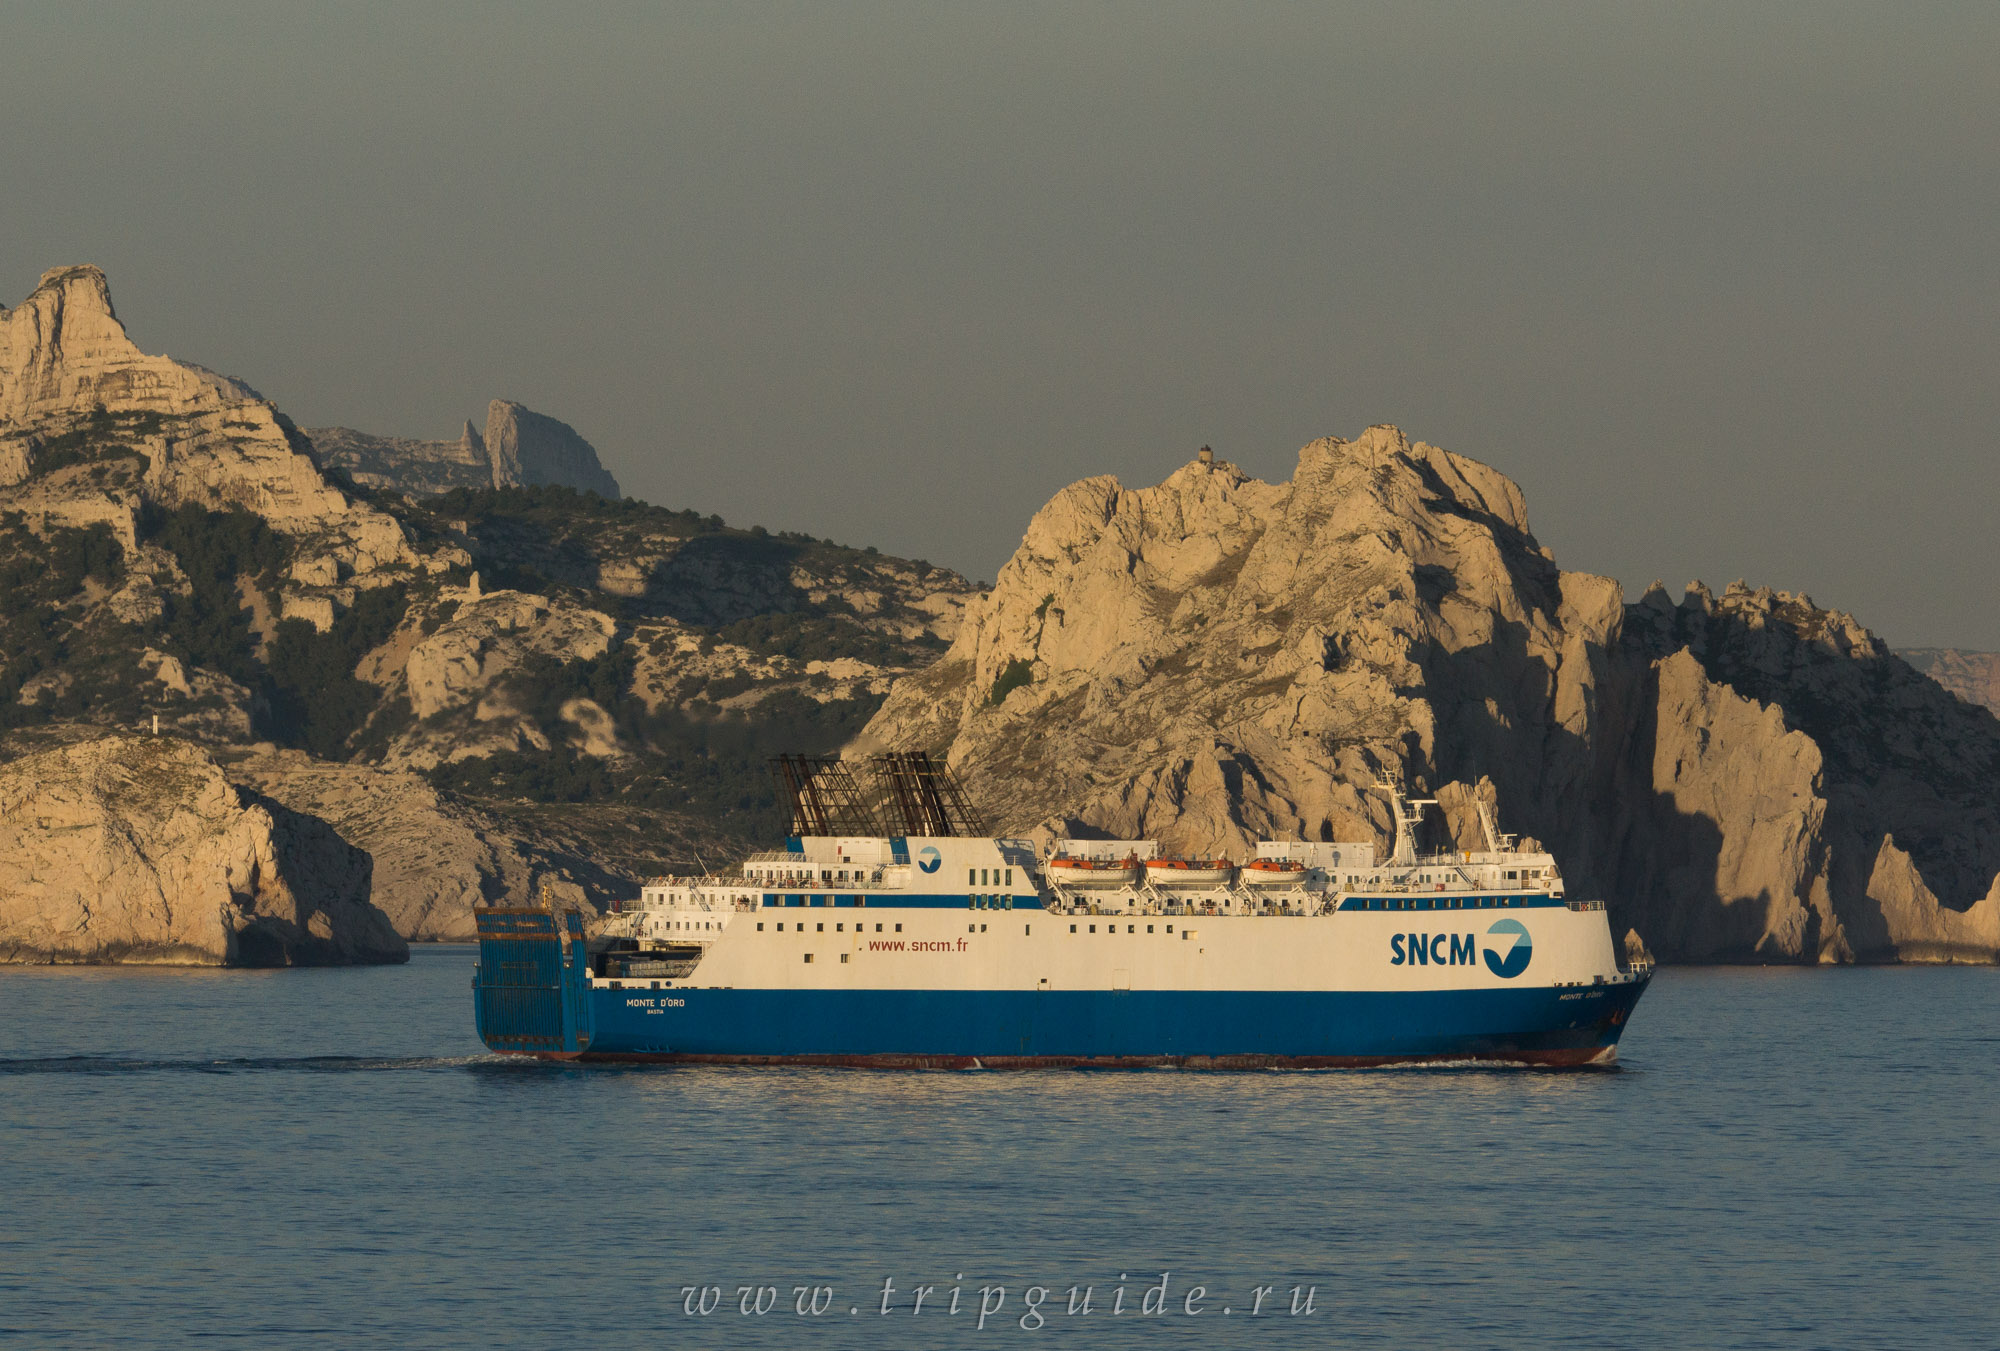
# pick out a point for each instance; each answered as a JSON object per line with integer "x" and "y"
{"x": 1003, "y": 1028}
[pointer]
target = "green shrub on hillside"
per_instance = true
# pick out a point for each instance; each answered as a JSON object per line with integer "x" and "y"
{"x": 314, "y": 698}
{"x": 1013, "y": 675}
{"x": 214, "y": 548}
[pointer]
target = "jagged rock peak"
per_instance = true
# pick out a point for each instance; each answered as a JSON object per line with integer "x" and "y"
{"x": 64, "y": 351}
{"x": 530, "y": 448}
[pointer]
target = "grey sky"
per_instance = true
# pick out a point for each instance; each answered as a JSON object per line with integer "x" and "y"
{"x": 1717, "y": 285}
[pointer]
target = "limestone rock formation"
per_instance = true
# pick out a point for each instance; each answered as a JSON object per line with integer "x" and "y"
{"x": 92, "y": 429}
{"x": 1972, "y": 676}
{"x": 1216, "y": 659}
{"x": 519, "y": 448}
{"x": 530, "y": 448}
{"x": 137, "y": 849}
{"x": 434, "y": 859}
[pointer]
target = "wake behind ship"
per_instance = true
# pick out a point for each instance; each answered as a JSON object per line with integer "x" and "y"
{"x": 941, "y": 946}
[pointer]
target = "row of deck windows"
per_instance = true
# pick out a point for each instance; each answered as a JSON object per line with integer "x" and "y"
{"x": 1428, "y": 902}
{"x": 978, "y": 877}
{"x": 1113, "y": 928}
{"x": 838, "y": 928}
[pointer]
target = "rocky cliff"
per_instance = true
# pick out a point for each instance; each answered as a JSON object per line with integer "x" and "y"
{"x": 1214, "y": 659}
{"x": 519, "y": 448}
{"x": 488, "y": 687}
{"x": 1972, "y": 676}
{"x": 137, "y": 849}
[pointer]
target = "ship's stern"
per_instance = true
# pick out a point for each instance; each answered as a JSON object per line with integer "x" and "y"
{"x": 531, "y": 989}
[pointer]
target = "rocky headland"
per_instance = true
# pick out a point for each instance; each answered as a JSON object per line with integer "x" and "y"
{"x": 1742, "y": 778}
{"x": 138, "y": 849}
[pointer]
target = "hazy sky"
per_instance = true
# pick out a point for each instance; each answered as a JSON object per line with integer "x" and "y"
{"x": 1719, "y": 286}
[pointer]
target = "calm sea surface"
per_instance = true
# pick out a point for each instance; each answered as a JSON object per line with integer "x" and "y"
{"x": 326, "y": 1158}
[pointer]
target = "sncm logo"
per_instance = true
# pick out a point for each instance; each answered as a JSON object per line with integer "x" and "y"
{"x": 1508, "y": 948}
{"x": 929, "y": 859}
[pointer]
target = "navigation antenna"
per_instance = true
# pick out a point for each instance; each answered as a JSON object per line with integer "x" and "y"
{"x": 1409, "y": 814}
{"x": 823, "y": 797}
{"x": 924, "y": 797}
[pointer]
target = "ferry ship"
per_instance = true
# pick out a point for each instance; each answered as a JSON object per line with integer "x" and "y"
{"x": 903, "y": 935}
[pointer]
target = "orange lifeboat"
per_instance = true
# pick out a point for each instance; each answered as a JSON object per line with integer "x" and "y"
{"x": 1064, "y": 871}
{"x": 1182, "y": 873}
{"x": 1273, "y": 872}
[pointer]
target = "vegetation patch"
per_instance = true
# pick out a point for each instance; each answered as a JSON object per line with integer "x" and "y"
{"x": 210, "y": 627}
{"x": 39, "y": 575}
{"x": 315, "y": 700}
{"x": 1013, "y": 675}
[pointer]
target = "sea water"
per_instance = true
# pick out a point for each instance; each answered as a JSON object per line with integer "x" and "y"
{"x": 1783, "y": 1158}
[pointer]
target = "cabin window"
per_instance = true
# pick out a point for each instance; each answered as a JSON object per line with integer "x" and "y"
{"x": 760, "y": 927}
{"x": 878, "y": 928}
{"x": 982, "y": 928}
{"x": 1149, "y": 928}
{"x": 899, "y": 928}
{"x": 1170, "y": 928}
{"x": 1010, "y": 877}
{"x": 822, "y": 928}
{"x": 972, "y": 877}
{"x": 809, "y": 958}
{"x": 1093, "y": 928}
{"x": 840, "y": 928}
{"x": 1131, "y": 928}
{"x": 972, "y": 928}
{"x": 1072, "y": 928}
{"x": 1027, "y": 929}
{"x": 843, "y": 957}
